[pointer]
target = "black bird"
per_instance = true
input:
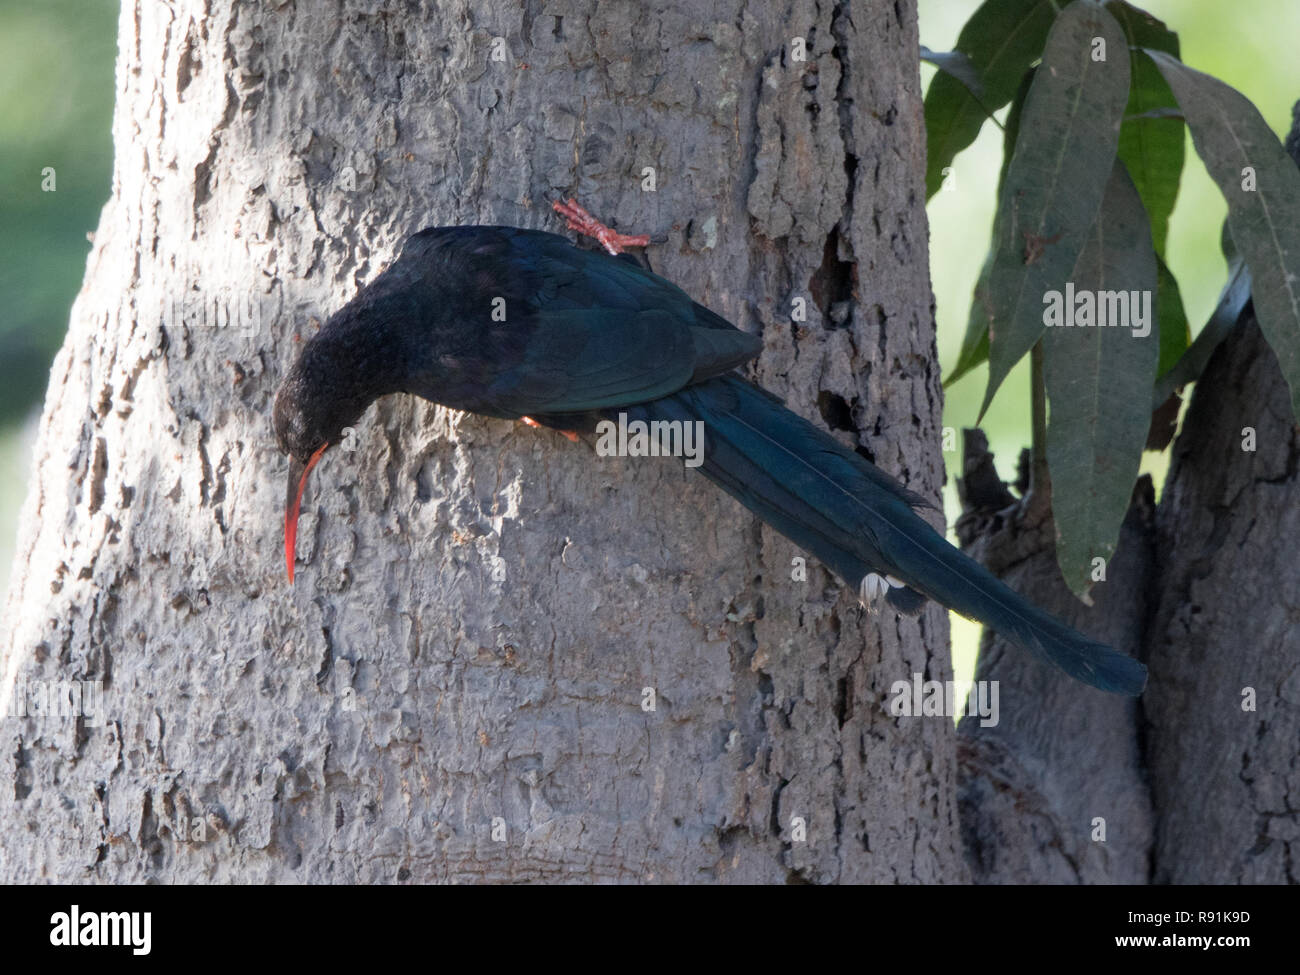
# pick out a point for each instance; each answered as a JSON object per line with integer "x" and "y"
{"x": 522, "y": 325}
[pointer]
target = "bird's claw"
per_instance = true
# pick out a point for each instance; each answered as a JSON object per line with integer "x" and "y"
{"x": 874, "y": 587}
{"x": 584, "y": 223}
{"x": 528, "y": 421}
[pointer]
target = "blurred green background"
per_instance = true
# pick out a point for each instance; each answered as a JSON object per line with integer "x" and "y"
{"x": 56, "y": 108}
{"x": 56, "y": 99}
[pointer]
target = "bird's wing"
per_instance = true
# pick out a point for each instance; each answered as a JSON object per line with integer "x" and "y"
{"x": 581, "y": 331}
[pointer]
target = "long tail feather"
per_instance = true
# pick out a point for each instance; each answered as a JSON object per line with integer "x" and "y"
{"x": 857, "y": 520}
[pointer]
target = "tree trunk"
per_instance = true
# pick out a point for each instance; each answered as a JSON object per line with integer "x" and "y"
{"x": 456, "y": 688}
{"x": 1224, "y": 703}
{"x": 1224, "y": 706}
{"x": 1054, "y": 792}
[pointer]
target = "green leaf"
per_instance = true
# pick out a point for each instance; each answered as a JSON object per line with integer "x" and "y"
{"x": 1262, "y": 187}
{"x": 1001, "y": 39}
{"x": 956, "y": 64}
{"x": 1188, "y": 368}
{"x": 1055, "y": 182}
{"x": 1099, "y": 384}
{"x": 1174, "y": 331}
{"x": 1151, "y": 143}
{"x": 975, "y": 343}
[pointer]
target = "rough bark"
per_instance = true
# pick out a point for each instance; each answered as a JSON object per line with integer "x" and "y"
{"x": 1224, "y": 703}
{"x": 481, "y": 604}
{"x": 1054, "y": 793}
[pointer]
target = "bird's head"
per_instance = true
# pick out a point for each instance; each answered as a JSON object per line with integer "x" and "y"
{"x": 307, "y": 422}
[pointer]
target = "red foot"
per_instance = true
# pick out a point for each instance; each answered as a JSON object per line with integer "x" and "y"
{"x": 528, "y": 421}
{"x": 584, "y": 223}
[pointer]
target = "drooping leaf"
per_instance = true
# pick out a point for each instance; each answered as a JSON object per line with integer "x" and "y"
{"x": 956, "y": 64}
{"x": 1069, "y": 134}
{"x": 1174, "y": 338}
{"x": 1262, "y": 187}
{"x": 1151, "y": 143}
{"x": 1190, "y": 365}
{"x": 1001, "y": 40}
{"x": 975, "y": 343}
{"x": 1099, "y": 382}
{"x": 1174, "y": 332}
